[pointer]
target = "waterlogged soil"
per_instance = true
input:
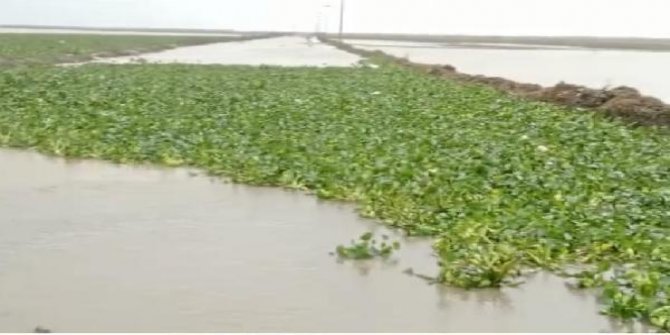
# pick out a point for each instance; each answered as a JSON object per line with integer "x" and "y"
{"x": 646, "y": 71}
{"x": 96, "y": 247}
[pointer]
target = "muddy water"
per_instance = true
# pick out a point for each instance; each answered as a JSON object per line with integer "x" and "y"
{"x": 645, "y": 70}
{"x": 91, "y": 246}
{"x": 282, "y": 51}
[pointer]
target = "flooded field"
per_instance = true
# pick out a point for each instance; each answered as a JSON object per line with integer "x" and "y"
{"x": 91, "y": 246}
{"x": 108, "y": 32}
{"x": 283, "y": 51}
{"x": 541, "y": 64}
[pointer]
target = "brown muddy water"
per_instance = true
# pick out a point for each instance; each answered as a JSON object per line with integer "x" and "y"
{"x": 96, "y": 247}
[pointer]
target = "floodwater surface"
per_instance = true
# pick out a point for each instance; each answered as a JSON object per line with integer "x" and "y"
{"x": 281, "y": 51}
{"x": 545, "y": 65}
{"x": 88, "y": 246}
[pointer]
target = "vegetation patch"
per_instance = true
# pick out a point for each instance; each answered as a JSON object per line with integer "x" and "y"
{"x": 41, "y": 49}
{"x": 503, "y": 184}
{"x": 367, "y": 247}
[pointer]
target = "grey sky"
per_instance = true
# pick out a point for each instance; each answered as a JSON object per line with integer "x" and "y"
{"x": 642, "y": 18}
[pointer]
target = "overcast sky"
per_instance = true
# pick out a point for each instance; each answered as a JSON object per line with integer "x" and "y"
{"x": 642, "y": 18}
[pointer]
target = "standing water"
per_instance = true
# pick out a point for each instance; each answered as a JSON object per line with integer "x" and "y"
{"x": 88, "y": 246}
{"x": 541, "y": 64}
{"x": 278, "y": 51}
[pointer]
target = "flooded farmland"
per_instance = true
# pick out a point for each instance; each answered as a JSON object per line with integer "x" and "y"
{"x": 92, "y": 246}
{"x": 16, "y": 30}
{"x": 282, "y": 51}
{"x": 542, "y": 64}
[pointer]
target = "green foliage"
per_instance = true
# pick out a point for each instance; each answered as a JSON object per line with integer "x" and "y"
{"x": 660, "y": 317}
{"x": 639, "y": 294}
{"x": 36, "y": 49}
{"x": 366, "y": 247}
{"x": 503, "y": 184}
{"x": 478, "y": 265}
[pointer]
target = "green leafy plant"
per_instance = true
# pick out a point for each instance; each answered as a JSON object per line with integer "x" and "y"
{"x": 503, "y": 184}
{"x": 366, "y": 247}
{"x": 660, "y": 317}
{"x": 476, "y": 265}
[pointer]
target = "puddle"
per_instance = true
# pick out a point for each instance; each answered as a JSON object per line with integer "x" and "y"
{"x": 596, "y": 68}
{"x": 88, "y": 246}
{"x": 281, "y": 51}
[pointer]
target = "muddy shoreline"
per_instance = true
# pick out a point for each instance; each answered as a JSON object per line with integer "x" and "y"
{"x": 624, "y": 103}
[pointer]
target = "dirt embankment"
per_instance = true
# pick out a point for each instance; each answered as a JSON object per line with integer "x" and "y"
{"x": 622, "y": 102}
{"x": 604, "y": 43}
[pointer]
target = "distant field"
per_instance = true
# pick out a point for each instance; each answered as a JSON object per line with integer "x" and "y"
{"x": 40, "y": 49}
{"x": 111, "y": 32}
{"x": 122, "y": 29}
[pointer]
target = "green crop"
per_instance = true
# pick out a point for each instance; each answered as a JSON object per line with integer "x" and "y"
{"x": 501, "y": 183}
{"x": 31, "y": 49}
{"x": 367, "y": 247}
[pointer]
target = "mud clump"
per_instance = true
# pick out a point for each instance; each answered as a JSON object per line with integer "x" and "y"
{"x": 621, "y": 102}
{"x": 501, "y": 84}
{"x": 572, "y": 95}
{"x": 638, "y": 109}
{"x": 625, "y": 103}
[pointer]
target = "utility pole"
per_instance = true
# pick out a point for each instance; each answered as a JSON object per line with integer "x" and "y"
{"x": 341, "y": 18}
{"x": 317, "y": 26}
{"x": 326, "y": 17}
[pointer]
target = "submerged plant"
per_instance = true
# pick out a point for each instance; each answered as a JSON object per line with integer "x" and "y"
{"x": 476, "y": 265}
{"x": 366, "y": 247}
